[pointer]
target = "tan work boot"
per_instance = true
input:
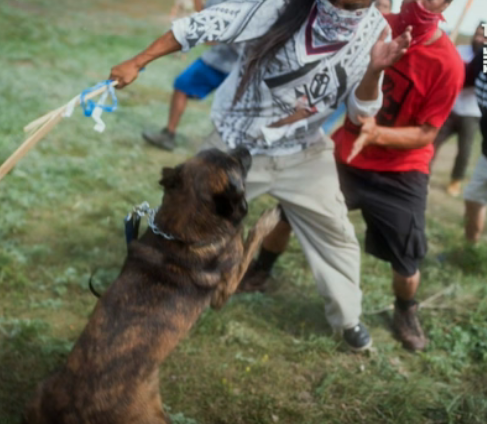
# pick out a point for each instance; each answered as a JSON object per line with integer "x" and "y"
{"x": 408, "y": 329}
{"x": 454, "y": 189}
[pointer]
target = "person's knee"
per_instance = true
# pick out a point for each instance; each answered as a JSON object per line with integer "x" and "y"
{"x": 406, "y": 278}
{"x": 405, "y": 283}
{"x": 284, "y": 225}
{"x": 278, "y": 239}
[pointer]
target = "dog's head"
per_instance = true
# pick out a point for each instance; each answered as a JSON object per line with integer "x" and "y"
{"x": 208, "y": 189}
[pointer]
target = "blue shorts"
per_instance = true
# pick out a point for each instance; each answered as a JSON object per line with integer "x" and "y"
{"x": 199, "y": 80}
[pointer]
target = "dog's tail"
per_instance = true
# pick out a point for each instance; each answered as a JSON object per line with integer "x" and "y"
{"x": 90, "y": 284}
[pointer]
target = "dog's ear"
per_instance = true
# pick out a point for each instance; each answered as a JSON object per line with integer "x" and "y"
{"x": 171, "y": 177}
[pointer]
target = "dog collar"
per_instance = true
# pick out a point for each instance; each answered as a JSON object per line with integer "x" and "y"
{"x": 150, "y": 222}
{"x": 132, "y": 223}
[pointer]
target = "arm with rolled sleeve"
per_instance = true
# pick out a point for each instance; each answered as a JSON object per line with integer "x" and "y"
{"x": 358, "y": 108}
{"x": 233, "y": 21}
{"x": 365, "y": 99}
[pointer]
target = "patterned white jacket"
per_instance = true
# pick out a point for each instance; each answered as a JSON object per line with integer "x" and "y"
{"x": 304, "y": 73}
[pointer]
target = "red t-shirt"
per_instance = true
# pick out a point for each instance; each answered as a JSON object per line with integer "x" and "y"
{"x": 421, "y": 88}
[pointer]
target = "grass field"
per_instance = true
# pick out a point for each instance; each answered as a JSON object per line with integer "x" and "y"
{"x": 263, "y": 358}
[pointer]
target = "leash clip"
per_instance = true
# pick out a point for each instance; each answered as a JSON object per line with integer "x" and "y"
{"x": 132, "y": 224}
{"x": 132, "y": 221}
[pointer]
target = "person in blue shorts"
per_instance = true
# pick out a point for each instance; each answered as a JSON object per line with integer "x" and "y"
{"x": 199, "y": 80}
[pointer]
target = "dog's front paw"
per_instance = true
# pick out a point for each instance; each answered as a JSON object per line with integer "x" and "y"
{"x": 268, "y": 221}
{"x": 219, "y": 298}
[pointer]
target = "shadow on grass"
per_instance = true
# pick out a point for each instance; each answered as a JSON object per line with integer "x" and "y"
{"x": 27, "y": 354}
{"x": 297, "y": 315}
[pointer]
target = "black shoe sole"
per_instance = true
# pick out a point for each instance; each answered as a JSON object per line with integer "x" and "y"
{"x": 368, "y": 346}
{"x": 153, "y": 143}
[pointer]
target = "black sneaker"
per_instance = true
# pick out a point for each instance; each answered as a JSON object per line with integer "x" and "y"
{"x": 357, "y": 338}
{"x": 163, "y": 139}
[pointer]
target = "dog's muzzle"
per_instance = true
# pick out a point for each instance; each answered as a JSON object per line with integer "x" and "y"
{"x": 243, "y": 156}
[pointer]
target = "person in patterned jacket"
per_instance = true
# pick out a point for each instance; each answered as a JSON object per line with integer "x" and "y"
{"x": 300, "y": 59}
{"x": 383, "y": 162}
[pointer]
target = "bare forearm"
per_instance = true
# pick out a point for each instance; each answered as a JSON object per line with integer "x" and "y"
{"x": 404, "y": 138}
{"x": 161, "y": 47}
{"x": 368, "y": 90}
{"x": 198, "y": 5}
{"x": 126, "y": 72}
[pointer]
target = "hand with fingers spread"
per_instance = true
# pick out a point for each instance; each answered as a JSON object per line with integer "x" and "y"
{"x": 368, "y": 136}
{"x": 384, "y": 54}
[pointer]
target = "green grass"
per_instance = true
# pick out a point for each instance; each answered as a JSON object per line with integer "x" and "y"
{"x": 263, "y": 358}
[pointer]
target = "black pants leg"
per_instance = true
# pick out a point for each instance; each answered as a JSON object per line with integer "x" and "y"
{"x": 467, "y": 128}
{"x": 447, "y": 130}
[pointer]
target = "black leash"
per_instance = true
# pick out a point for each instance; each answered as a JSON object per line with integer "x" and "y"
{"x": 90, "y": 284}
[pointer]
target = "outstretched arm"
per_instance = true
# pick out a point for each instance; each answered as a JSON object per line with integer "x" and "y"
{"x": 127, "y": 71}
{"x": 233, "y": 22}
{"x": 198, "y": 5}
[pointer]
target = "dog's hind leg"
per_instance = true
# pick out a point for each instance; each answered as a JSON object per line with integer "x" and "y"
{"x": 230, "y": 281}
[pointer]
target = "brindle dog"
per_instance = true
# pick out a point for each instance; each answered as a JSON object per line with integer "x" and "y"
{"x": 112, "y": 374}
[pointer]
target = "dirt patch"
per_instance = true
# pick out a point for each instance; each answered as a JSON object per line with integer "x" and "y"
{"x": 27, "y": 6}
{"x": 140, "y": 9}
{"x": 24, "y": 63}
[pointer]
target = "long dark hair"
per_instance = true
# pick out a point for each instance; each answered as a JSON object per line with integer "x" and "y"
{"x": 264, "y": 49}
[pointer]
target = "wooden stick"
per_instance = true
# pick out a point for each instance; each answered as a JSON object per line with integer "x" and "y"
{"x": 29, "y": 144}
{"x": 380, "y": 311}
{"x": 43, "y": 119}
{"x": 46, "y": 124}
{"x": 443, "y": 292}
{"x": 456, "y": 31}
{"x": 436, "y": 307}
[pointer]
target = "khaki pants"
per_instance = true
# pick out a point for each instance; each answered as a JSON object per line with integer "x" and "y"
{"x": 306, "y": 185}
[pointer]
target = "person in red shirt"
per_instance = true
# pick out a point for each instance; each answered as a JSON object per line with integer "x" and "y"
{"x": 383, "y": 162}
{"x": 384, "y": 6}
